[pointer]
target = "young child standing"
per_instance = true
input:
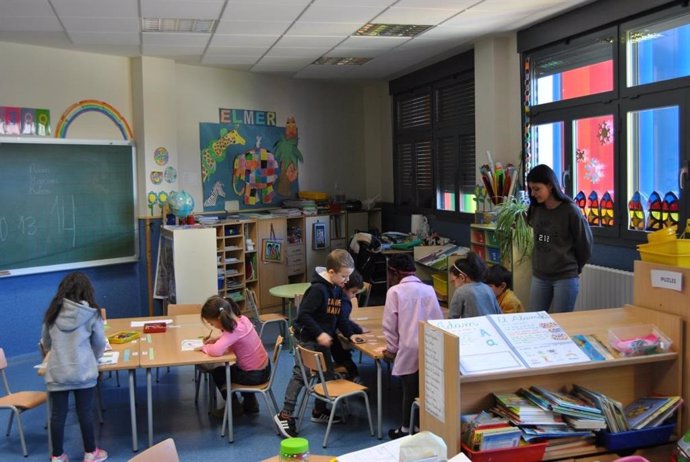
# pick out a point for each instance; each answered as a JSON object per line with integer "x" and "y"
{"x": 408, "y": 301}
{"x": 472, "y": 297}
{"x": 342, "y": 355}
{"x": 500, "y": 280}
{"x": 73, "y": 338}
{"x": 238, "y": 334}
{"x": 319, "y": 315}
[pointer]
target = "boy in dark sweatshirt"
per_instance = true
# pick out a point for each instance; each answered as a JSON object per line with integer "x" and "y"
{"x": 318, "y": 318}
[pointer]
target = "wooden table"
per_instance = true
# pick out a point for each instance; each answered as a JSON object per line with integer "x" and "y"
{"x": 288, "y": 292}
{"x": 312, "y": 458}
{"x": 165, "y": 349}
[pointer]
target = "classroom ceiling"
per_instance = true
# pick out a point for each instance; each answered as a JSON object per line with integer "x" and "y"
{"x": 271, "y": 36}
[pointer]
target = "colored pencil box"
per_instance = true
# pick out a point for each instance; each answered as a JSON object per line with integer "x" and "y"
{"x": 154, "y": 327}
{"x": 124, "y": 336}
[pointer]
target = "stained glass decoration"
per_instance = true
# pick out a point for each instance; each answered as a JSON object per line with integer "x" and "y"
{"x": 669, "y": 208}
{"x": 594, "y": 214}
{"x": 606, "y": 209}
{"x": 581, "y": 202}
{"x": 654, "y": 219}
{"x": 636, "y": 213}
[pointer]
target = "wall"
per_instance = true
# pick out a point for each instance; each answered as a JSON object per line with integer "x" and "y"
{"x": 164, "y": 103}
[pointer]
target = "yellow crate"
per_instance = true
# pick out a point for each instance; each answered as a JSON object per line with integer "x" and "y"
{"x": 673, "y": 253}
{"x": 313, "y": 195}
{"x": 440, "y": 286}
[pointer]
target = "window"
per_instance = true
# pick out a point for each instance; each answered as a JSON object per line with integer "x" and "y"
{"x": 434, "y": 141}
{"x": 611, "y": 119}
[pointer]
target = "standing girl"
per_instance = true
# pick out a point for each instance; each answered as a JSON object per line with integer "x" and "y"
{"x": 73, "y": 337}
{"x": 238, "y": 334}
{"x": 562, "y": 243}
{"x": 471, "y": 297}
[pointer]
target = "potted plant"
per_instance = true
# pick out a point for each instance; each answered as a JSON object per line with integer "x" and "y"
{"x": 514, "y": 234}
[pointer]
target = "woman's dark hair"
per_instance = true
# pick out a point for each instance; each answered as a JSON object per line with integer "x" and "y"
{"x": 545, "y": 175}
{"x": 497, "y": 275}
{"x": 472, "y": 266}
{"x": 76, "y": 287}
{"x": 355, "y": 281}
{"x": 226, "y": 311}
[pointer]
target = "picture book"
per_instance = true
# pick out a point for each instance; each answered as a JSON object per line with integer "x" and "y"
{"x": 504, "y": 342}
{"x": 642, "y": 411}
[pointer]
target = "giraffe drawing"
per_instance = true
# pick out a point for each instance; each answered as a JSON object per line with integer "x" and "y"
{"x": 215, "y": 151}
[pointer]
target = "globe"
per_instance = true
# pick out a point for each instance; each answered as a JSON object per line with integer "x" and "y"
{"x": 181, "y": 204}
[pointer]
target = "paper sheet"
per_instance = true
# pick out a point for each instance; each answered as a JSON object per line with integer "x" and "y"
{"x": 192, "y": 344}
{"x": 109, "y": 357}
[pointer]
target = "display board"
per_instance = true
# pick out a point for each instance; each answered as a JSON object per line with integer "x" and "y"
{"x": 66, "y": 204}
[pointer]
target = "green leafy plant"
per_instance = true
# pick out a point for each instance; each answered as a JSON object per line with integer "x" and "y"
{"x": 512, "y": 229}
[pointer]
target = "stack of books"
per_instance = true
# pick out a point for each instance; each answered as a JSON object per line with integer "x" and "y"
{"x": 593, "y": 347}
{"x": 521, "y": 411}
{"x": 651, "y": 412}
{"x": 612, "y": 409}
{"x": 482, "y": 432}
{"x": 579, "y": 414}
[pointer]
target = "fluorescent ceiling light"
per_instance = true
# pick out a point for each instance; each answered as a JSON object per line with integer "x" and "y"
{"x": 178, "y": 25}
{"x": 336, "y": 61}
{"x": 391, "y": 30}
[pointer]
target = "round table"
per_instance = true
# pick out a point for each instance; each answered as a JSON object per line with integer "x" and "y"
{"x": 287, "y": 292}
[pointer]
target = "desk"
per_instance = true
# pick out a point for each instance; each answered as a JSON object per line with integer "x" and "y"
{"x": 164, "y": 349}
{"x": 287, "y": 292}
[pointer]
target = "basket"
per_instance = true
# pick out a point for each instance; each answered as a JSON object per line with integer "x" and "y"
{"x": 440, "y": 286}
{"x": 633, "y": 439}
{"x": 525, "y": 453}
{"x": 674, "y": 252}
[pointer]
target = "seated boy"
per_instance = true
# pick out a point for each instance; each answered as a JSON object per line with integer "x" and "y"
{"x": 342, "y": 354}
{"x": 319, "y": 316}
{"x": 501, "y": 282}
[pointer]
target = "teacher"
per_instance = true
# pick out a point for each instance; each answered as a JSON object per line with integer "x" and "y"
{"x": 562, "y": 243}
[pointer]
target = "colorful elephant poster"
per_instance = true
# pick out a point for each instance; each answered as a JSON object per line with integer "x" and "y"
{"x": 256, "y": 165}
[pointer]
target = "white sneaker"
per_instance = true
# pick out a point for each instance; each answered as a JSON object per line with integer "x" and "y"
{"x": 62, "y": 458}
{"x": 98, "y": 455}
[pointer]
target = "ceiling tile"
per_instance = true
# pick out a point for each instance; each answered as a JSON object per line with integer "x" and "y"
{"x": 97, "y": 8}
{"x": 55, "y": 38}
{"x": 246, "y": 52}
{"x": 170, "y": 39}
{"x": 307, "y": 53}
{"x": 228, "y": 59}
{"x": 117, "y": 50}
{"x": 323, "y": 28}
{"x": 13, "y": 8}
{"x": 252, "y": 27}
{"x": 262, "y": 10}
{"x": 381, "y": 43}
{"x": 162, "y": 50}
{"x": 105, "y": 38}
{"x": 231, "y": 40}
{"x": 343, "y": 13}
{"x": 30, "y": 24}
{"x": 437, "y": 4}
{"x": 345, "y": 52}
{"x": 415, "y": 16}
{"x": 297, "y": 63}
{"x": 101, "y": 24}
{"x": 191, "y": 9}
{"x": 309, "y": 41}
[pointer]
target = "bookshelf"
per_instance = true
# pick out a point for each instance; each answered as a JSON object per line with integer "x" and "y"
{"x": 624, "y": 379}
{"x": 236, "y": 266}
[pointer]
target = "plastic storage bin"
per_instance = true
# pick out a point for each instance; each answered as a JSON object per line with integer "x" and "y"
{"x": 674, "y": 252}
{"x": 634, "y": 439}
{"x": 526, "y": 453}
{"x": 440, "y": 286}
{"x": 638, "y": 340}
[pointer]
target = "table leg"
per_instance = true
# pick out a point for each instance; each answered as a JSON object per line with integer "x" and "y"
{"x": 149, "y": 405}
{"x": 379, "y": 397}
{"x": 228, "y": 404}
{"x": 290, "y": 307}
{"x": 132, "y": 410}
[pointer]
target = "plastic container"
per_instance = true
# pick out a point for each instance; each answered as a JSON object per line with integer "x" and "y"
{"x": 663, "y": 235}
{"x": 313, "y": 195}
{"x": 294, "y": 450}
{"x": 634, "y": 439}
{"x": 638, "y": 340}
{"x": 674, "y": 252}
{"x": 526, "y": 453}
{"x": 440, "y": 285}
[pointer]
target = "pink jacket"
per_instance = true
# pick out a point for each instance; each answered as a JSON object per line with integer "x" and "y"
{"x": 244, "y": 342}
{"x": 407, "y": 303}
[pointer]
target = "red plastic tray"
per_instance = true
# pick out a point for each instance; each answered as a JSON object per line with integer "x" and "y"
{"x": 527, "y": 453}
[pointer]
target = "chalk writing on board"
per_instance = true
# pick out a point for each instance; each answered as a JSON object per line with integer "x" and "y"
{"x": 434, "y": 401}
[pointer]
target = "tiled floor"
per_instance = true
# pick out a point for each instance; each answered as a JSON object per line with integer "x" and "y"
{"x": 196, "y": 434}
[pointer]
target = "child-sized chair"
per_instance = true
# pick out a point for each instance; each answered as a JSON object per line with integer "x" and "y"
{"x": 18, "y": 402}
{"x": 165, "y": 451}
{"x": 261, "y": 320}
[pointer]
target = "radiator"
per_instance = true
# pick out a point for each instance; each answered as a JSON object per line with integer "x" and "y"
{"x": 602, "y": 287}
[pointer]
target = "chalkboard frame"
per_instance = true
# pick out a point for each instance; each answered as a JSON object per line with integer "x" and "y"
{"x": 133, "y": 257}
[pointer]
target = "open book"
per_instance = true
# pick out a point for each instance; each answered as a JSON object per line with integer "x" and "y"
{"x": 501, "y": 342}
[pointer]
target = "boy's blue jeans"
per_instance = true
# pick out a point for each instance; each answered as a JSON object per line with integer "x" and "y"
{"x": 296, "y": 382}
{"x": 553, "y": 296}
{"x": 59, "y": 403}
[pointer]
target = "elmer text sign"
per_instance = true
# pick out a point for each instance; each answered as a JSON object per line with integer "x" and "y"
{"x": 246, "y": 117}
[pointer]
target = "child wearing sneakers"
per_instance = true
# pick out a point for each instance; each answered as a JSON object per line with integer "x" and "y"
{"x": 500, "y": 280}
{"x": 74, "y": 339}
{"x": 408, "y": 301}
{"x": 342, "y": 353}
{"x": 319, "y": 315}
{"x": 238, "y": 334}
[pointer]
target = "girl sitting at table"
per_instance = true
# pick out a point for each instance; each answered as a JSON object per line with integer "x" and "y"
{"x": 238, "y": 335}
{"x": 472, "y": 297}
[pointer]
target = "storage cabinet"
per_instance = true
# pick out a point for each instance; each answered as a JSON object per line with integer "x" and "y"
{"x": 271, "y": 273}
{"x": 236, "y": 265}
{"x": 623, "y": 379}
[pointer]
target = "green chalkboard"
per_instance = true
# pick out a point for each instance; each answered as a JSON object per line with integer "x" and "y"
{"x": 66, "y": 204}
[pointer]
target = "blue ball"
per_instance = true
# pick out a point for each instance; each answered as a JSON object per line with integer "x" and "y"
{"x": 181, "y": 204}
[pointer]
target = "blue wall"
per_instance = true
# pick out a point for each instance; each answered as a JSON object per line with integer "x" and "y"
{"x": 121, "y": 289}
